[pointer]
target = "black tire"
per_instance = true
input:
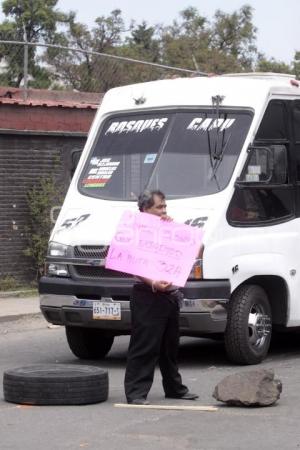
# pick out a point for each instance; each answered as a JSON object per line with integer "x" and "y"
{"x": 249, "y": 325}
{"x": 88, "y": 343}
{"x": 55, "y": 384}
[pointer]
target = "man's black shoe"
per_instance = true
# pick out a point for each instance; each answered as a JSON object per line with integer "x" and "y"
{"x": 186, "y": 396}
{"x": 139, "y": 401}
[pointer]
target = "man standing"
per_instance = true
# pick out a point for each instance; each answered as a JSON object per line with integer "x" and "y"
{"x": 155, "y": 328}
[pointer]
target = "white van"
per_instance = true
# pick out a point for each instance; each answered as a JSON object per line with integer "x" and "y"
{"x": 226, "y": 152}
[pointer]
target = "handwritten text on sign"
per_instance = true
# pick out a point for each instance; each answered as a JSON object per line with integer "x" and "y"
{"x": 147, "y": 246}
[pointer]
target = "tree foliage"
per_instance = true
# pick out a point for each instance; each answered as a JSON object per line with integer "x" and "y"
{"x": 33, "y": 21}
{"x": 271, "y": 65}
{"x": 234, "y": 35}
{"x": 227, "y": 43}
{"x": 186, "y": 41}
{"x": 37, "y": 18}
{"x": 296, "y": 65}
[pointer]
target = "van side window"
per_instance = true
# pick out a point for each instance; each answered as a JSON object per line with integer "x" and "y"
{"x": 296, "y": 121}
{"x": 255, "y": 205}
{"x": 274, "y": 125}
{"x": 296, "y": 126}
{"x": 270, "y": 198}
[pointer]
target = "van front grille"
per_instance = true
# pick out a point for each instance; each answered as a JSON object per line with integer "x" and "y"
{"x": 91, "y": 251}
{"x": 89, "y": 272}
{"x": 94, "y": 272}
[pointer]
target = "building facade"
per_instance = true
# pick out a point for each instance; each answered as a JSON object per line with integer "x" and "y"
{"x": 40, "y": 137}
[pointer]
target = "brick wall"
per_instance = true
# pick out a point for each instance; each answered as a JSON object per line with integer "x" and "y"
{"x": 24, "y": 158}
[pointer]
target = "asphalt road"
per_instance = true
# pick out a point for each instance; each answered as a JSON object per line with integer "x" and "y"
{"x": 103, "y": 426}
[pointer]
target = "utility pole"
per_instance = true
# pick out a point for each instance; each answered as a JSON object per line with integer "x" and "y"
{"x": 25, "y": 74}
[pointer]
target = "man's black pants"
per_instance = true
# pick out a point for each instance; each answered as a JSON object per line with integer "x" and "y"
{"x": 154, "y": 338}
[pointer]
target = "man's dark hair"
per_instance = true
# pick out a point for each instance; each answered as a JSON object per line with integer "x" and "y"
{"x": 146, "y": 199}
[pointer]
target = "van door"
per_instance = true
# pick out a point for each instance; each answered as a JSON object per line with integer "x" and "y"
{"x": 267, "y": 195}
{"x": 263, "y": 206}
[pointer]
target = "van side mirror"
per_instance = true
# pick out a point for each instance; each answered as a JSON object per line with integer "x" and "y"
{"x": 75, "y": 157}
{"x": 265, "y": 165}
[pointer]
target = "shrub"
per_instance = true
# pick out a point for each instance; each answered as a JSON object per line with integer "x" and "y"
{"x": 8, "y": 283}
{"x": 40, "y": 199}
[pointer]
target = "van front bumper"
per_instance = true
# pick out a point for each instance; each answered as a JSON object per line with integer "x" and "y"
{"x": 64, "y": 301}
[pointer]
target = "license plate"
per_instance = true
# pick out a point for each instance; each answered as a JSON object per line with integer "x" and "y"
{"x": 106, "y": 311}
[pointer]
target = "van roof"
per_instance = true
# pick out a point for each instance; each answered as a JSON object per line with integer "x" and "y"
{"x": 261, "y": 75}
{"x": 238, "y": 90}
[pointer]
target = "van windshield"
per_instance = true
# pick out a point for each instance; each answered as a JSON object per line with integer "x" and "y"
{"x": 184, "y": 154}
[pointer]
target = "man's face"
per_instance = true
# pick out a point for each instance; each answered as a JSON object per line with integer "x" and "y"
{"x": 159, "y": 208}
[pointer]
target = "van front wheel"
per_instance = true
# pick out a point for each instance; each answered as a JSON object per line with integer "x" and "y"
{"x": 249, "y": 325}
{"x": 88, "y": 343}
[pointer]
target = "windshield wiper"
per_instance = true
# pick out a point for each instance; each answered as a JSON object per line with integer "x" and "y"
{"x": 214, "y": 156}
{"x": 216, "y": 102}
{"x": 211, "y": 159}
{"x": 217, "y": 156}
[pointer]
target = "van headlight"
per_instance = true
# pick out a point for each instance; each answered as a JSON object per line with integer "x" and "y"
{"x": 57, "y": 269}
{"x": 57, "y": 249}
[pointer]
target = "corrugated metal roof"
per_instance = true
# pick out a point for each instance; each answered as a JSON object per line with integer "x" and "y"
{"x": 48, "y": 98}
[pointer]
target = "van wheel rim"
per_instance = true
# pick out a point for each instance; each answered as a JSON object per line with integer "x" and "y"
{"x": 259, "y": 326}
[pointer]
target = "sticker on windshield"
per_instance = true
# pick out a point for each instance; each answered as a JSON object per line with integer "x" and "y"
{"x": 136, "y": 126}
{"x": 101, "y": 172}
{"x": 209, "y": 123}
{"x": 254, "y": 170}
{"x": 150, "y": 158}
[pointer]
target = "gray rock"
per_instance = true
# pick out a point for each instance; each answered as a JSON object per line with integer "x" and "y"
{"x": 252, "y": 388}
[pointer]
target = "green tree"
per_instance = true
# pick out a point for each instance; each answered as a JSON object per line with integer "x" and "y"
{"x": 34, "y": 21}
{"x": 227, "y": 44}
{"x": 234, "y": 36}
{"x": 108, "y": 32}
{"x": 145, "y": 42}
{"x": 37, "y": 17}
{"x": 83, "y": 70}
{"x": 296, "y": 65}
{"x": 40, "y": 199}
{"x": 185, "y": 42}
{"x": 271, "y": 65}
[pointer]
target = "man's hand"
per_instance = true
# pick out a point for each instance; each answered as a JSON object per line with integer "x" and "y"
{"x": 166, "y": 218}
{"x": 160, "y": 285}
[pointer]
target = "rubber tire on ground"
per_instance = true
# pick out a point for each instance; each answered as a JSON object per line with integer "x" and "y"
{"x": 238, "y": 348}
{"x": 88, "y": 343}
{"x": 55, "y": 384}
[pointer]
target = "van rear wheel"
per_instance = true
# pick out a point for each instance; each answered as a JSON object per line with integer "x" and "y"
{"x": 249, "y": 325}
{"x": 88, "y": 343}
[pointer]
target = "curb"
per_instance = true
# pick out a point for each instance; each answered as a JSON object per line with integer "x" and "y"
{"x": 13, "y": 317}
{"x": 21, "y": 293}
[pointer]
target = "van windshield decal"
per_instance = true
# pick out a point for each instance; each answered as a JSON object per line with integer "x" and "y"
{"x": 100, "y": 173}
{"x": 174, "y": 151}
{"x": 208, "y": 124}
{"x": 137, "y": 126}
{"x": 150, "y": 159}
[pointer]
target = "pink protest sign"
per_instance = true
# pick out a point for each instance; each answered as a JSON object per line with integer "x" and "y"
{"x": 147, "y": 246}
